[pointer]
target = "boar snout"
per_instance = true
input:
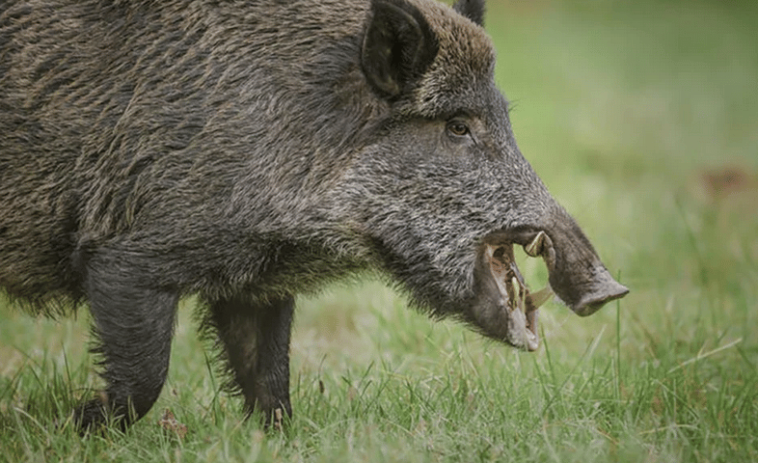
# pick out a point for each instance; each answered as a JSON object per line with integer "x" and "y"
{"x": 600, "y": 288}
{"x": 576, "y": 274}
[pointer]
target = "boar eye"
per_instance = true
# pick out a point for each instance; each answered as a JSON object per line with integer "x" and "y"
{"x": 457, "y": 128}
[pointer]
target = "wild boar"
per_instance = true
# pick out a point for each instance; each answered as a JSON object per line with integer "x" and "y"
{"x": 248, "y": 152}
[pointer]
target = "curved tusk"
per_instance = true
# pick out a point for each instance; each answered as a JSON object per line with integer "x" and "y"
{"x": 541, "y": 296}
{"x": 534, "y": 248}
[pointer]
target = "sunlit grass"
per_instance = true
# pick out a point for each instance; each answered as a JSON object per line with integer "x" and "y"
{"x": 632, "y": 114}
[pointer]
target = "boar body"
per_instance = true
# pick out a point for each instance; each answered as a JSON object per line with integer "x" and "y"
{"x": 249, "y": 152}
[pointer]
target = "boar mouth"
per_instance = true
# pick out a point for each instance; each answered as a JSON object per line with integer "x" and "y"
{"x": 514, "y": 300}
{"x": 505, "y": 308}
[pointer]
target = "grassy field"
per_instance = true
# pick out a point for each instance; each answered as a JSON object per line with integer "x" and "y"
{"x": 642, "y": 119}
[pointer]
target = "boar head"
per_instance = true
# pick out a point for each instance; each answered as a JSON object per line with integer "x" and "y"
{"x": 442, "y": 192}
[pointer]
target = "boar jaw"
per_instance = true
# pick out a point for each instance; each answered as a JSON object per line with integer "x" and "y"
{"x": 511, "y": 312}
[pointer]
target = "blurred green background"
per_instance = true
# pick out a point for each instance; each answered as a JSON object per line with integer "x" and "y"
{"x": 642, "y": 119}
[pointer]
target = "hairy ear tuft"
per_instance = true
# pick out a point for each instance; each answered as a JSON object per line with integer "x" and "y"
{"x": 472, "y": 9}
{"x": 399, "y": 46}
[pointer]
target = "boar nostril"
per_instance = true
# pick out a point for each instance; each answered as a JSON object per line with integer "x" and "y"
{"x": 607, "y": 292}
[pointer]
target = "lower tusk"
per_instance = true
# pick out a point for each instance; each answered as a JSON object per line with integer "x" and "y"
{"x": 541, "y": 296}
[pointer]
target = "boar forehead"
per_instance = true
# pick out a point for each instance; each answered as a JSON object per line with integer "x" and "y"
{"x": 462, "y": 73}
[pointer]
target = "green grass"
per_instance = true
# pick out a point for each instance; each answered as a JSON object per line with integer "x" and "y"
{"x": 628, "y": 111}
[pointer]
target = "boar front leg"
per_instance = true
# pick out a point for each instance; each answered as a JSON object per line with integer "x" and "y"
{"x": 134, "y": 322}
{"x": 256, "y": 340}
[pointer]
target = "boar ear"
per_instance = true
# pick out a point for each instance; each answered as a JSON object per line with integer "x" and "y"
{"x": 398, "y": 47}
{"x": 472, "y": 9}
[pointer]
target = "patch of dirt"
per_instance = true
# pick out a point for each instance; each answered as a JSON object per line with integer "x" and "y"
{"x": 730, "y": 189}
{"x": 722, "y": 181}
{"x": 730, "y": 197}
